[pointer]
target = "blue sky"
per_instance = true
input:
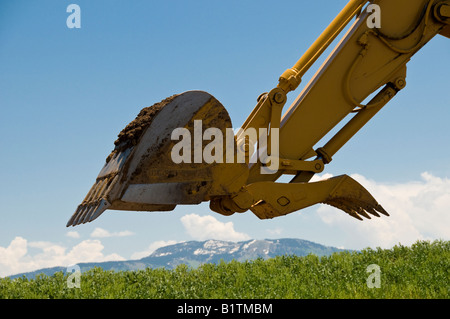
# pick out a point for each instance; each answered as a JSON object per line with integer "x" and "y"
{"x": 65, "y": 94}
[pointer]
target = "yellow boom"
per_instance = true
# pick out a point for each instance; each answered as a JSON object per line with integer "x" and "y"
{"x": 183, "y": 150}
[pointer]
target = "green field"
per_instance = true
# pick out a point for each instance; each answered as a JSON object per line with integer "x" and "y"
{"x": 420, "y": 271}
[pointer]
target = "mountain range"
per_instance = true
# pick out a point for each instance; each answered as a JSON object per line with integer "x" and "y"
{"x": 195, "y": 253}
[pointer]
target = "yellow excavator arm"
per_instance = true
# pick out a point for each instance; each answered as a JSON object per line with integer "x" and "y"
{"x": 183, "y": 150}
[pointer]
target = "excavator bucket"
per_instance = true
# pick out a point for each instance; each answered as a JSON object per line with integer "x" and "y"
{"x": 144, "y": 173}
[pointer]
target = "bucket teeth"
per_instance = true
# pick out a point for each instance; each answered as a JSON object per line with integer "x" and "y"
{"x": 87, "y": 212}
{"x": 357, "y": 208}
{"x": 362, "y": 212}
{"x": 81, "y": 212}
{"x": 354, "y": 215}
{"x": 372, "y": 211}
{"x": 354, "y": 199}
{"x": 85, "y": 216}
{"x": 98, "y": 210}
{"x": 94, "y": 204}
{"x": 381, "y": 210}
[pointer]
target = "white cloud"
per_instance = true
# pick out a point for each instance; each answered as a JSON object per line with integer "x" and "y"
{"x": 9, "y": 256}
{"x": 16, "y": 258}
{"x": 151, "y": 248}
{"x": 418, "y": 211}
{"x": 317, "y": 178}
{"x": 208, "y": 227}
{"x": 73, "y": 234}
{"x": 103, "y": 233}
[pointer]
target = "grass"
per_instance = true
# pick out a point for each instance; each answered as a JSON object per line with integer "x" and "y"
{"x": 417, "y": 272}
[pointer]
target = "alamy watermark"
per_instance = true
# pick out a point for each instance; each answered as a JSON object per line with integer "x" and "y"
{"x": 74, "y": 19}
{"x": 221, "y": 149}
{"x": 74, "y": 279}
{"x": 374, "y": 279}
{"x": 374, "y": 18}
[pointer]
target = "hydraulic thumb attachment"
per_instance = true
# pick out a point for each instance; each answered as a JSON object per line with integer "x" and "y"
{"x": 269, "y": 199}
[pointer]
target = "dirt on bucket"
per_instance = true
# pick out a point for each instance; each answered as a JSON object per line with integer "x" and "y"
{"x": 131, "y": 134}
